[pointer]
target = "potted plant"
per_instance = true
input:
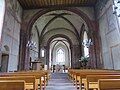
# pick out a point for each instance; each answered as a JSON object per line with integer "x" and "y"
{"x": 84, "y": 61}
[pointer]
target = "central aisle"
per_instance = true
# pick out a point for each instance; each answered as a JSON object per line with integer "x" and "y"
{"x": 60, "y": 81}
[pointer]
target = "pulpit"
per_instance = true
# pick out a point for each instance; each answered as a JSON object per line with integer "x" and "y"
{"x": 37, "y": 65}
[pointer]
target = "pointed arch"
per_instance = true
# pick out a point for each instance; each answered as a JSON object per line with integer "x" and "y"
{"x": 68, "y": 50}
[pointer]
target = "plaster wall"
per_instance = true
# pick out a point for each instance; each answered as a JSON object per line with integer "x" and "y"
{"x": 110, "y": 35}
{"x": 89, "y": 11}
{"x": 11, "y": 32}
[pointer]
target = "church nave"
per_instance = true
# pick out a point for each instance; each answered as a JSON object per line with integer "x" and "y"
{"x": 59, "y": 44}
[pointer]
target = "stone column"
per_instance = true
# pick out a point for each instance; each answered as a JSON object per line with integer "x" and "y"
{"x": 75, "y": 56}
{"x": 46, "y": 55}
{"x": 23, "y": 48}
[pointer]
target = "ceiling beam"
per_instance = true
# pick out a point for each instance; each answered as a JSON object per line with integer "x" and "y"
{"x": 35, "y": 4}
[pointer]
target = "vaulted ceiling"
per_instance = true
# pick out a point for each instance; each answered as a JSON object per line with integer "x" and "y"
{"x": 35, "y": 4}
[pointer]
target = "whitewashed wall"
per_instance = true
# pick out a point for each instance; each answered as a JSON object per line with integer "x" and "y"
{"x": 110, "y": 36}
{"x": 11, "y": 32}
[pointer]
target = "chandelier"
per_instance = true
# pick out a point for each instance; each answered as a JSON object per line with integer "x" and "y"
{"x": 32, "y": 45}
{"x": 87, "y": 43}
{"x": 116, "y": 7}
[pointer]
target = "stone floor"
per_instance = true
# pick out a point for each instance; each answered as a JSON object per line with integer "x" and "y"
{"x": 60, "y": 81}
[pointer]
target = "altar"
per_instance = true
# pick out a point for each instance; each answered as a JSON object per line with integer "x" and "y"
{"x": 37, "y": 65}
{"x": 59, "y": 68}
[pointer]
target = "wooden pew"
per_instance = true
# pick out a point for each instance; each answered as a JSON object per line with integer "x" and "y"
{"x": 12, "y": 85}
{"x": 45, "y": 73}
{"x": 97, "y": 72}
{"x": 109, "y": 84}
{"x": 30, "y": 82}
{"x": 41, "y": 76}
{"x": 72, "y": 76}
{"x": 80, "y": 75}
{"x": 38, "y": 75}
{"x": 92, "y": 80}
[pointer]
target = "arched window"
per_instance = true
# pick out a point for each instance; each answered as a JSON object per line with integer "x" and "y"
{"x": 85, "y": 44}
{"x": 42, "y": 52}
{"x": 2, "y": 11}
{"x": 60, "y": 56}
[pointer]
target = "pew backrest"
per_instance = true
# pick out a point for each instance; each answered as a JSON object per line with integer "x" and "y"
{"x": 29, "y": 80}
{"x": 109, "y": 84}
{"x": 92, "y": 80}
{"x": 12, "y": 85}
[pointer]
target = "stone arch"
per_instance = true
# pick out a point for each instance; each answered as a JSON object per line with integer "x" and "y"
{"x": 74, "y": 10}
{"x": 54, "y": 18}
{"x": 27, "y": 25}
{"x": 68, "y": 50}
{"x": 75, "y": 40}
{"x": 56, "y": 36}
{"x": 59, "y": 35}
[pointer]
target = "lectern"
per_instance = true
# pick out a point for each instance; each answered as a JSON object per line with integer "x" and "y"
{"x": 36, "y": 65}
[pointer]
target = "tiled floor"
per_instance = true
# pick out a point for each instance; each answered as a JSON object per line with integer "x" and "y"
{"x": 59, "y": 81}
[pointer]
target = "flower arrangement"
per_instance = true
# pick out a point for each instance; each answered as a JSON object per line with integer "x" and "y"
{"x": 84, "y": 61}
